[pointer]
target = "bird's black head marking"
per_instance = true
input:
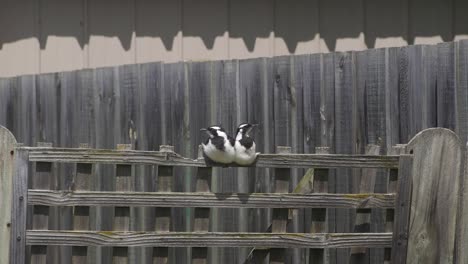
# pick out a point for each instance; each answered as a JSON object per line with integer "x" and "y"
{"x": 213, "y": 131}
{"x": 245, "y": 128}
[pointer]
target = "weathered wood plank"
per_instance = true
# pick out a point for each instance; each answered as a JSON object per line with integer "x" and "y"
{"x": 220, "y": 200}
{"x": 123, "y": 182}
{"x": 436, "y": 187}
{"x": 461, "y": 103}
{"x": 174, "y": 159}
{"x": 163, "y": 214}
{"x": 19, "y": 208}
{"x": 201, "y": 221}
{"x": 40, "y": 219}
{"x": 392, "y": 187}
{"x": 280, "y": 216}
{"x": 345, "y": 85}
{"x": 319, "y": 216}
{"x": 211, "y": 239}
{"x": 7, "y": 163}
{"x": 81, "y": 182}
{"x": 403, "y": 210}
{"x": 363, "y": 216}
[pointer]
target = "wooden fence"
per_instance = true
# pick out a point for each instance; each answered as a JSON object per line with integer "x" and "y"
{"x": 344, "y": 101}
{"x": 423, "y": 207}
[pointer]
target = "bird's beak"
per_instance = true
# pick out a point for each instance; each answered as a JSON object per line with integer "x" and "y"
{"x": 203, "y": 129}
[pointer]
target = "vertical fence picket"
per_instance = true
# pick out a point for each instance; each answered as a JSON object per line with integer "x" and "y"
{"x": 19, "y": 208}
{"x": 319, "y": 215}
{"x": 201, "y": 222}
{"x": 163, "y": 215}
{"x": 280, "y": 216}
{"x": 41, "y": 180}
{"x": 7, "y": 158}
{"x": 403, "y": 210}
{"x": 363, "y": 216}
{"x": 392, "y": 188}
{"x": 123, "y": 182}
{"x": 81, "y": 213}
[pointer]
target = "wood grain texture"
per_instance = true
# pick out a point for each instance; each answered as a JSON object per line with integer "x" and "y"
{"x": 42, "y": 179}
{"x": 319, "y": 216}
{"x": 7, "y": 154}
{"x": 174, "y": 159}
{"x": 201, "y": 221}
{"x": 19, "y": 208}
{"x": 461, "y": 99}
{"x": 280, "y": 216}
{"x": 403, "y": 210}
{"x": 211, "y": 239}
{"x": 392, "y": 187}
{"x": 163, "y": 214}
{"x": 123, "y": 182}
{"x": 436, "y": 174}
{"x": 220, "y": 200}
{"x": 362, "y": 223}
{"x": 80, "y": 212}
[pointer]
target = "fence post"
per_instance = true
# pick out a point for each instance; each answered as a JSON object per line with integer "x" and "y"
{"x": 7, "y": 154}
{"x": 163, "y": 214}
{"x": 19, "y": 207}
{"x": 201, "y": 222}
{"x": 363, "y": 216}
{"x": 123, "y": 182}
{"x": 437, "y": 154}
{"x": 403, "y": 210}
{"x": 462, "y": 227}
{"x": 41, "y": 180}
{"x": 81, "y": 213}
{"x": 319, "y": 215}
{"x": 391, "y": 188}
{"x": 280, "y": 216}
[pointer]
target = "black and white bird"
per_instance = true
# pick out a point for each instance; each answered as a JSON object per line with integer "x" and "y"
{"x": 219, "y": 147}
{"x": 245, "y": 145}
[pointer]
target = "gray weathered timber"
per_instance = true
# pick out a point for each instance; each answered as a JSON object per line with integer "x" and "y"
{"x": 436, "y": 173}
{"x": 319, "y": 216}
{"x": 462, "y": 230}
{"x": 163, "y": 215}
{"x": 7, "y": 154}
{"x": 362, "y": 223}
{"x": 81, "y": 182}
{"x": 19, "y": 208}
{"x": 201, "y": 221}
{"x": 123, "y": 182}
{"x": 392, "y": 181}
{"x": 221, "y": 200}
{"x": 42, "y": 179}
{"x": 280, "y": 216}
{"x": 174, "y": 159}
{"x": 345, "y": 85}
{"x": 402, "y": 210}
{"x": 211, "y": 239}
{"x": 461, "y": 100}
{"x": 172, "y": 103}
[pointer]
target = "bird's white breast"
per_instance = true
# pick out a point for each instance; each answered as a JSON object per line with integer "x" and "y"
{"x": 226, "y": 156}
{"x": 245, "y": 156}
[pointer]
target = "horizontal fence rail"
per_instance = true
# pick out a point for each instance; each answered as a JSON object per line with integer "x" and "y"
{"x": 174, "y": 159}
{"x": 226, "y": 200}
{"x": 212, "y": 239}
{"x": 124, "y": 240}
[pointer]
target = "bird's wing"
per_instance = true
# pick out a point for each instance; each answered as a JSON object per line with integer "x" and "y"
{"x": 218, "y": 142}
{"x": 247, "y": 142}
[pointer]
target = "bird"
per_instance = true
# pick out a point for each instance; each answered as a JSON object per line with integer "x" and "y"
{"x": 219, "y": 146}
{"x": 245, "y": 145}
